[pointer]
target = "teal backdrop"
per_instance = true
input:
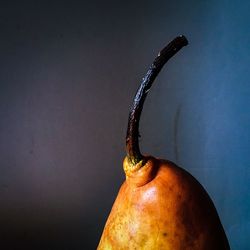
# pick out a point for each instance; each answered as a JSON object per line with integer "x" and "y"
{"x": 68, "y": 73}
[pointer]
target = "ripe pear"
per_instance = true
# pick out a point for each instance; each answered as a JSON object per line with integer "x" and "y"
{"x": 159, "y": 205}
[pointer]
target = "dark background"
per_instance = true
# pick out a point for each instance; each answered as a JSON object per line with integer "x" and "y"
{"x": 68, "y": 73}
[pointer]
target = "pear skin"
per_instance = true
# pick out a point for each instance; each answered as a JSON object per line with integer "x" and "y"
{"x": 162, "y": 207}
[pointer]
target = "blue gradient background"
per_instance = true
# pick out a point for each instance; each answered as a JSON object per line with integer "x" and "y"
{"x": 68, "y": 73}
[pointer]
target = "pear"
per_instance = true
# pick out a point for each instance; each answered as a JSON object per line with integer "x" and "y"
{"x": 159, "y": 205}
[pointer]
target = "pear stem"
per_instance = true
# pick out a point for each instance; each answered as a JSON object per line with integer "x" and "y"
{"x": 132, "y": 138}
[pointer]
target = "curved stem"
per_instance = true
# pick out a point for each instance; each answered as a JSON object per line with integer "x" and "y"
{"x": 132, "y": 143}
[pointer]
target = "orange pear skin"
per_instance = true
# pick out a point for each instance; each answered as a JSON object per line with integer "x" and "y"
{"x": 160, "y": 206}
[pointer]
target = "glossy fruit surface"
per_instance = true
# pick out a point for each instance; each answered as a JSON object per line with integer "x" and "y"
{"x": 161, "y": 206}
